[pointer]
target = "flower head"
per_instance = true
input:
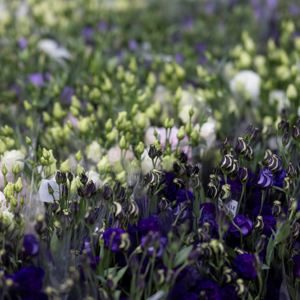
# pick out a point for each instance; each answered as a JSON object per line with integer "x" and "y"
{"x": 244, "y": 265}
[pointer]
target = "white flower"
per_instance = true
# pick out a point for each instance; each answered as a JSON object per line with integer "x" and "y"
{"x": 55, "y": 51}
{"x": 93, "y": 152}
{"x": 186, "y": 103}
{"x": 13, "y": 158}
{"x": 279, "y": 97}
{"x": 3, "y": 204}
{"x": 246, "y": 83}
{"x": 146, "y": 163}
{"x": 95, "y": 177}
{"x": 208, "y": 132}
{"x": 44, "y": 194}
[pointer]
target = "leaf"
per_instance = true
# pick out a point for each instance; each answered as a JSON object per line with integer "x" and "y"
{"x": 182, "y": 255}
{"x": 120, "y": 274}
{"x": 270, "y": 250}
{"x": 282, "y": 233}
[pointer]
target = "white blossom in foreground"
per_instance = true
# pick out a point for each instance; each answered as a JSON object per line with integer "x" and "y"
{"x": 44, "y": 194}
{"x": 95, "y": 177}
{"x": 246, "y": 83}
{"x": 53, "y": 49}
{"x": 208, "y": 132}
{"x": 12, "y": 159}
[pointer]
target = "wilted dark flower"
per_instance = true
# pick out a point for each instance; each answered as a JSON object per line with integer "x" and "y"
{"x": 115, "y": 238}
{"x": 30, "y": 245}
{"x": 244, "y": 265}
{"x": 240, "y": 226}
{"x": 265, "y": 178}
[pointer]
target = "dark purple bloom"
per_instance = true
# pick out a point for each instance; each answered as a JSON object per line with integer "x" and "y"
{"x": 244, "y": 265}
{"x": 240, "y": 226}
{"x": 36, "y": 79}
{"x": 22, "y": 43}
{"x": 296, "y": 266}
{"x": 269, "y": 224}
{"x": 229, "y": 292}
{"x": 113, "y": 238}
{"x": 154, "y": 243}
{"x": 210, "y": 289}
{"x": 278, "y": 178}
{"x": 28, "y": 283}
{"x": 66, "y": 94}
{"x": 30, "y": 245}
{"x": 265, "y": 178}
{"x": 183, "y": 195}
{"x": 148, "y": 224}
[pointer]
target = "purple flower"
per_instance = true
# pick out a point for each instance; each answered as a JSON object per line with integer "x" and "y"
{"x": 87, "y": 249}
{"x": 240, "y": 226}
{"x": 148, "y": 224}
{"x": 36, "y": 79}
{"x": 154, "y": 243}
{"x": 102, "y": 26}
{"x": 278, "y": 178}
{"x": 22, "y": 43}
{"x": 269, "y": 224}
{"x": 87, "y": 33}
{"x": 113, "y": 238}
{"x": 66, "y": 94}
{"x": 244, "y": 265}
{"x": 265, "y": 178}
{"x": 28, "y": 283}
{"x": 210, "y": 289}
{"x": 296, "y": 266}
{"x": 133, "y": 45}
{"x": 179, "y": 58}
{"x": 30, "y": 245}
{"x": 229, "y": 292}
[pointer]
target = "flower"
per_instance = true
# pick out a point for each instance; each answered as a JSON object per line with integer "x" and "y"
{"x": 95, "y": 177}
{"x": 296, "y": 266}
{"x": 22, "y": 43}
{"x": 279, "y": 97}
{"x": 208, "y": 132}
{"x": 36, "y": 79}
{"x": 210, "y": 289}
{"x": 30, "y": 245}
{"x": 12, "y": 159}
{"x": 28, "y": 283}
{"x": 246, "y": 83}
{"x": 53, "y": 49}
{"x": 48, "y": 190}
{"x": 240, "y": 226}
{"x": 93, "y": 152}
{"x": 265, "y": 178}
{"x": 113, "y": 238}
{"x": 244, "y": 265}
{"x": 66, "y": 95}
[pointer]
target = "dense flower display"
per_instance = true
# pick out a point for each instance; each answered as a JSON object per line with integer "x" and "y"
{"x": 149, "y": 149}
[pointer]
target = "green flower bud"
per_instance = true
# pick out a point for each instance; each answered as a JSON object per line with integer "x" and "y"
{"x": 84, "y": 124}
{"x": 167, "y": 162}
{"x": 123, "y": 144}
{"x": 103, "y": 165}
{"x": 112, "y": 136}
{"x": 16, "y": 169}
{"x": 65, "y": 166}
{"x": 4, "y": 170}
{"x": 28, "y": 141}
{"x": 291, "y": 92}
{"x": 18, "y": 186}
{"x": 181, "y": 133}
{"x": 78, "y": 156}
{"x": 151, "y": 80}
{"x": 27, "y": 105}
{"x": 58, "y": 111}
{"x": 139, "y": 149}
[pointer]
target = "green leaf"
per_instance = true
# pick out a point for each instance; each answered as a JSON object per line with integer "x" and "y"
{"x": 283, "y": 232}
{"x": 120, "y": 274}
{"x": 270, "y": 250}
{"x": 182, "y": 255}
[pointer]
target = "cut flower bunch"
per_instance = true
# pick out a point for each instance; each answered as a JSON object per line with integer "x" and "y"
{"x": 149, "y": 149}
